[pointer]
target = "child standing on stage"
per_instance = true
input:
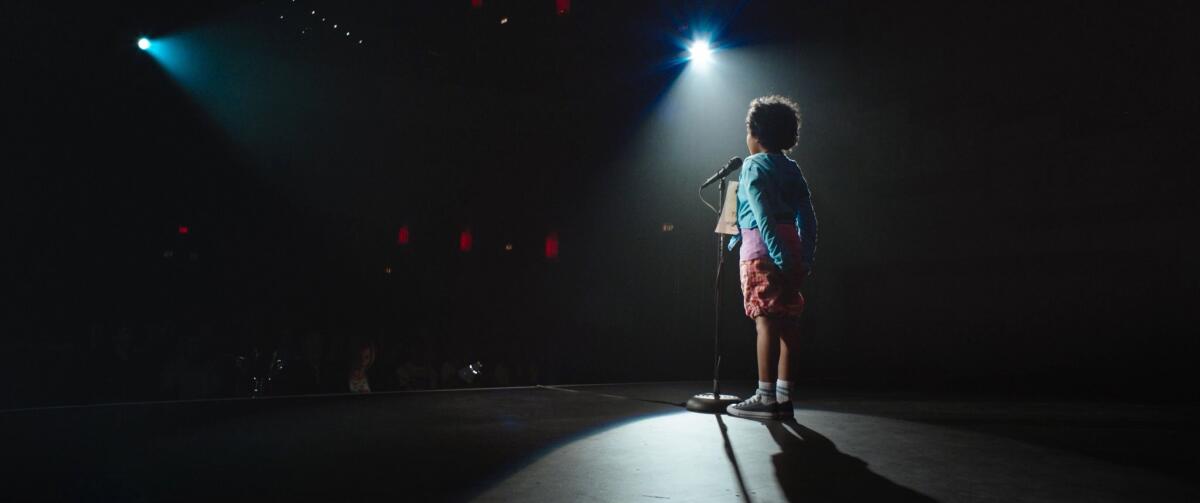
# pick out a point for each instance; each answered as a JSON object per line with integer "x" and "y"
{"x": 778, "y": 237}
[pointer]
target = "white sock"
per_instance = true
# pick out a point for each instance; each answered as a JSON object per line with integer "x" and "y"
{"x": 766, "y": 391}
{"x": 783, "y": 390}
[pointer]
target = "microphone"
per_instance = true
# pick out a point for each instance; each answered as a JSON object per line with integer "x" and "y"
{"x": 730, "y": 167}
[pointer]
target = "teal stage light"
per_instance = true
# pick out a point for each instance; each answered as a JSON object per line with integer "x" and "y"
{"x": 143, "y": 44}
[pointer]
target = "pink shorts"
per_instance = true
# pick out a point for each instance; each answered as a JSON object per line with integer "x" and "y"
{"x": 767, "y": 291}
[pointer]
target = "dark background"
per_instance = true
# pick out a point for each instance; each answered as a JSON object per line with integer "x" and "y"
{"x": 1005, "y": 192}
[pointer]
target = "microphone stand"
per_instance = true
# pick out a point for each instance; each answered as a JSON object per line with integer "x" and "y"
{"x": 715, "y": 402}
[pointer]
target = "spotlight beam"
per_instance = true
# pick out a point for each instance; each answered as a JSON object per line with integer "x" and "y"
{"x": 700, "y": 52}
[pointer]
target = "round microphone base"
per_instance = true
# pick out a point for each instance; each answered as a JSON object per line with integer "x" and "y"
{"x": 705, "y": 403}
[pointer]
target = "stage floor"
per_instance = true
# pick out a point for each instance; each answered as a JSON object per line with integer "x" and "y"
{"x": 625, "y": 442}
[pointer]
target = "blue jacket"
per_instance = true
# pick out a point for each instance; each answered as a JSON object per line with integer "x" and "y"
{"x": 772, "y": 190}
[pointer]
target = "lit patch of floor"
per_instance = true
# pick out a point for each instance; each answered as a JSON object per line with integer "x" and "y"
{"x": 822, "y": 456}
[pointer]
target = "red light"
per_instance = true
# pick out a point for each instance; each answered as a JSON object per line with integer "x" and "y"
{"x": 402, "y": 236}
{"x": 552, "y": 245}
{"x": 476, "y": 3}
{"x": 183, "y": 230}
{"x": 464, "y": 241}
{"x": 563, "y": 6}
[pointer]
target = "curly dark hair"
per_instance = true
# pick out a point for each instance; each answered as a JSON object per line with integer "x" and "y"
{"x": 775, "y": 121}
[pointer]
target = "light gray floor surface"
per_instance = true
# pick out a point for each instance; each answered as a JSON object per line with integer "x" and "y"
{"x": 871, "y": 447}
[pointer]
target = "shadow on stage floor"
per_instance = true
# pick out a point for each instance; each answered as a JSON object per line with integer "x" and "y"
{"x": 810, "y": 468}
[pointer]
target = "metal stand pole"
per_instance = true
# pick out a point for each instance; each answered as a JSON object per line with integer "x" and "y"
{"x": 715, "y": 402}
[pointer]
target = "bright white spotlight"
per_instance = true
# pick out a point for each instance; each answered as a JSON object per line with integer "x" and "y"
{"x": 144, "y": 43}
{"x": 700, "y": 52}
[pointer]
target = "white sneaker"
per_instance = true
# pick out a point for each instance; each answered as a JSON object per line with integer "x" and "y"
{"x": 755, "y": 407}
